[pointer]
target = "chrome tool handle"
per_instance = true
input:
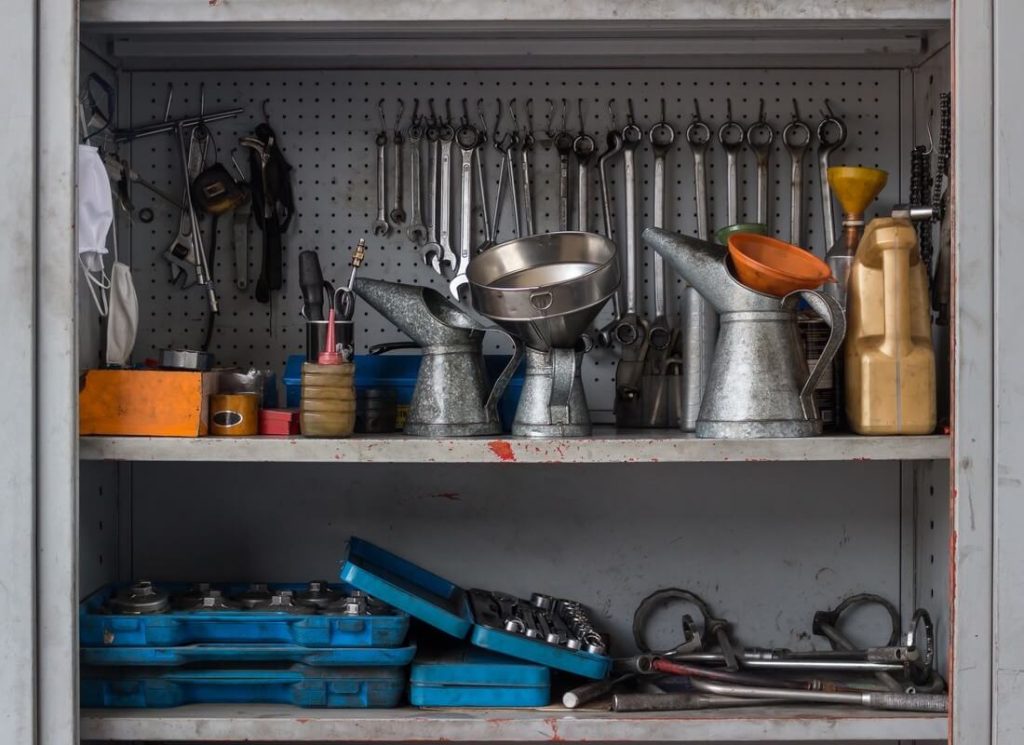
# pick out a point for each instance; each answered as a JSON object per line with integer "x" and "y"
{"x": 660, "y": 290}
{"x": 445, "y": 212}
{"x": 527, "y": 190}
{"x": 630, "y": 169}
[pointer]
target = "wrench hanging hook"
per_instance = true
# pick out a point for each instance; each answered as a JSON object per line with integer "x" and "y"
{"x": 263, "y": 109}
{"x": 482, "y": 115}
{"x": 398, "y": 117}
{"x": 383, "y": 119}
{"x": 550, "y": 130}
{"x": 465, "y": 112}
{"x": 448, "y": 112}
{"x": 415, "y": 111}
{"x": 433, "y": 114}
{"x": 529, "y": 118}
{"x": 579, "y": 106}
{"x": 630, "y": 117}
{"x": 611, "y": 114}
{"x": 497, "y": 124}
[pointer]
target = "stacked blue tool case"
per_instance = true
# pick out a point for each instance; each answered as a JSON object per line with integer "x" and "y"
{"x": 470, "y": 677}
{"x": 467, "y": 615}
{"x": 314, "y": 645}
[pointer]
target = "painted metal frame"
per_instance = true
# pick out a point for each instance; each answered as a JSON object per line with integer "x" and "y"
{"x": 983, "y": 488}
{"x": 18, "y": 369}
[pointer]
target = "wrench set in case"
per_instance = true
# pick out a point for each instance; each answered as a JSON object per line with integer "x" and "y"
{"x": 155, "y": 645}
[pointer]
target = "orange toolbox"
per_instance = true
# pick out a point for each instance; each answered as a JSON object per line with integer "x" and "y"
{"x": 156, "y": 403}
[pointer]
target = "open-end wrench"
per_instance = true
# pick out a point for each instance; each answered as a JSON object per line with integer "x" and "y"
{"x": 481, "y": 181}
{"x": 500, "y": 144}
{"x": 797, "y": 138}
{"x": 831, "y": 137}
{"x": 629, "y": 330}
{"x": 525, "y": 152}
{"x": 182, "y": 254}
{"x": 730, "y": 137}
{"x": 511, "y": 150}
{"x": 432, "y": 248}
{"x": 381, "y": 225}
{"x": 700, "y": 324}
{"x": 613, "y": 142}
{"x": 584, "y": 147}
{"x": 468, "y": 139}
{"x": 563, "y": 144}
{"x": 662, "y": 136}
{"x": 397, "y": 213}
{"x": 416, "y": 230}
{"x": 760, "y": 137}
{"x": 447, "y": 258}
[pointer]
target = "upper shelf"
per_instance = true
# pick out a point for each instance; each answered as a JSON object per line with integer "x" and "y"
{"x": 605, "y": 446}
{"x": 182, "y": 34}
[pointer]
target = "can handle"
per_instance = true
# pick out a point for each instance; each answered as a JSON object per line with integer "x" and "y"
{"x": 829, "y": 310}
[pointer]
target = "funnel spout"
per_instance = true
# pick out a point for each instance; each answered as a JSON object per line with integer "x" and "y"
{"x": 700, "y": 263}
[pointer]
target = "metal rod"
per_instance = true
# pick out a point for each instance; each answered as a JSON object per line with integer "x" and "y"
{"x": 127, "y": 135}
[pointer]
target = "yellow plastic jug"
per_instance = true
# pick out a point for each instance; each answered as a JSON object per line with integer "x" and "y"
{"x": 890, "y": 362}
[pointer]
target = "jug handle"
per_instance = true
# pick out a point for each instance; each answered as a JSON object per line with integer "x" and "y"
{"x": 498, "y": 389}
{"x": 829, "y": 310}
{"x": 563, "y": 375}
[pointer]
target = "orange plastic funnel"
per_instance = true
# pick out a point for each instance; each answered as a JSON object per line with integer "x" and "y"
{"x": 774, "y": 267}
{"x": 856, "y": 187}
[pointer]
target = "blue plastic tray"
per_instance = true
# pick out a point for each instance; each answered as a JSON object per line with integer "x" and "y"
{"x": 196, "y": 653}
{"x": 98, "y": 628}
{"x": 475, "y": 677}
{"x": 446, "y": 606}
{"x": 352, "y": 688}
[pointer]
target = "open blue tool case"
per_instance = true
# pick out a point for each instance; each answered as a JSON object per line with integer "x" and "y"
{"x": 98, "y": 627}
{"x": 476, "y": 677}
{"x": 455, "y": 611}
{"x": 346, "y": 687}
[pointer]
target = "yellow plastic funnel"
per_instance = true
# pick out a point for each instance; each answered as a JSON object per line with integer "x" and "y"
{"x": 856, "y": 187}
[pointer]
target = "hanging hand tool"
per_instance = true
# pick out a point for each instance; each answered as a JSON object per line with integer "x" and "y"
{"x": 760, "y": 137}
{"x": 613, "y": 142}
{"x": 716, "y": 628}
{"x": 940, "y": 205}
{"x": 240, "y": 231}
{"x": 183, "y": 253}
{"x": 828, "y": 144}
{"x": 432, "y": 248}
{"x": 469, "y": 140}
{"x": 700, "y": 324}
{"x": 730, "y": 137}
{"x": 446, "y": 258}
{"x": 500, "y": 145}
{"x": 381, "y": 227}
{"x": 526, "y": 151}
{"x": 344, "y": 305}
{"x": 510, "y": 166}
{"x": 583, "y": 147}
{"x": 934, "y": 703}
{"x": 662, "y": 137}
{"x": 198, "y": 255}
{"x": 397, "y": 212}
{"x": 629, "y": 330}
{"x": 797, "y": 138}
{"x": 563, "y": 144}
{"x": 120, "y": 170}
{"x": 272, "y": 194}
{"x": 481, "y": 181}
{"x": 169, "y": 127}
{"x": 416, "y": 231}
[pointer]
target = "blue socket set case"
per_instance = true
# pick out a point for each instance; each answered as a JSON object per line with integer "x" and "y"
{"x": 476, "y": 677}
{"x": 299, "y": 685}
{"x": 547, "y": 631}
{"x": 174, "y": 615}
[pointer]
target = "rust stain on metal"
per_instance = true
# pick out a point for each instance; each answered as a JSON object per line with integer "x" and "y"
{"x": 503, "y": 450}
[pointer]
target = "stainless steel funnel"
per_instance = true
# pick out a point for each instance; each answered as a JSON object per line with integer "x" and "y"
{"x": 545, "y": 289}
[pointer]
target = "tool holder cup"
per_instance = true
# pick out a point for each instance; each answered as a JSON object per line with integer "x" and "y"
{"x": 316, "y": 338}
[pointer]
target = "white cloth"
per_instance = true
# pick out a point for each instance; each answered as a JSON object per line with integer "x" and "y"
{"x": 95, "y": 216}
{"x": 123, "y": 316}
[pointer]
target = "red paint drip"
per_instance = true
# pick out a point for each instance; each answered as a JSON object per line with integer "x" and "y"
{"x": 503, "y": 450}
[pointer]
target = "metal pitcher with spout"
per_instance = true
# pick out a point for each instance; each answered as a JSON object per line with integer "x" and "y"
{"x": 759, "y": 384}
{"x": 452, "y": 397}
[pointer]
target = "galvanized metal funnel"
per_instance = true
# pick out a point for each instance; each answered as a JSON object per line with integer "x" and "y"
{"x": 545, "y": 289}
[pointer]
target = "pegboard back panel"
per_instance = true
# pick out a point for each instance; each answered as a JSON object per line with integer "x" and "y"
{"x": 326, "y": 122}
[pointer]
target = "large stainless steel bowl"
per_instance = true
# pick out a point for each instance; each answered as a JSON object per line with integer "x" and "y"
{"x": 546, "y": 289}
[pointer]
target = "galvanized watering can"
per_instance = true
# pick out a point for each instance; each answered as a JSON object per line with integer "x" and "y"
{"x": 759, "y": 385}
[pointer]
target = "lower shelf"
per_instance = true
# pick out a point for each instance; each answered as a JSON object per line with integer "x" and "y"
{"x": 284, "y": 723}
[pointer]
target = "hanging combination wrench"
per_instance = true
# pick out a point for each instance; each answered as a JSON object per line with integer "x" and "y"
{"x": 444, "y": 220}
{"x": 662, "y": 137}
{"x": 469, "y": 140}
{"x": 730, "y": 137}
{"x": 381, "y": 225}
{"x": 432, "y": 248}
{"x": 826, "y": 147}
{"x": 416, "y": 231}
{"x": 630, "y": 328}
{"x": 510, "y": 165}
{"x": 584, "y": 147}
{"x": 797, "y": 138}
{"x": 760, "y": 137}
{"x": 700, "y": 324}
{"x": 613, "y": 147}
{"x": 397, "y": 213}
{"x": 481, "y": 181}
{"x": 529, "y": 141}
{"x": 563, "y": 144}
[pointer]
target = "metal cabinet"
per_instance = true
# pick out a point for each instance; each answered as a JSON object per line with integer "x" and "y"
{"x": 928, "y": 520}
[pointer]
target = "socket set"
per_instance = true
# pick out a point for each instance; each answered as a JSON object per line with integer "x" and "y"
{"x": 547, "y": 631}
{"x": 315, "y": 614}
{"x": 560, "y": 623}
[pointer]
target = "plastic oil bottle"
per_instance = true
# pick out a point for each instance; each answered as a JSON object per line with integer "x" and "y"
{"x": 889, "y": 359}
